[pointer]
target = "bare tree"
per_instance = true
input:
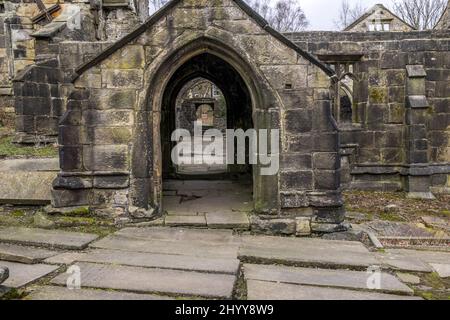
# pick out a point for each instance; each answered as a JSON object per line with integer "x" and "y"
{"x": 284, "y": 16}
{"x": 349, "y": 14}
{"x": 421, "y": 14}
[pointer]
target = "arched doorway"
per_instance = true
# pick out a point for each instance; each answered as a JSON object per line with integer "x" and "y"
{"x": 257, "y": 107}
{"x": 201, "y": 174}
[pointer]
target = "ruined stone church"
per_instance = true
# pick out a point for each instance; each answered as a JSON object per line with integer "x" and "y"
{"x": 363, "y": 109}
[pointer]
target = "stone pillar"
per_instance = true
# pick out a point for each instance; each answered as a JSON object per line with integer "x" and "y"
{"x": 418, "y": 176}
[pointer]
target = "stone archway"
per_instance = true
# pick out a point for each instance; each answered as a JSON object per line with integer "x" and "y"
{"x": 111, "y": 153}
{"x": 203, "y": 57}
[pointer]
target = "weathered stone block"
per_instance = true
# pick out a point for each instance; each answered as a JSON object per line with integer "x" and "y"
{"x": 296, "y": 161}
{"x": 129, "y": 57}
{"x": 293, "y": 200}
{"x": 70, "y": 158}
{"x": 416, "y": 87}
{"x": 273, "y": 226}
{"x": 117, "y": 135}
{"x": 132, "y": 78}
{"x": 419, "y": 101}
{"x": 106, "y": 158}
{"x": 111, "y": 182}
{"x": 326, "y": 180}
{"x": 416, "y": 71}
{"x": 326, "y": 160}
{"x": 113, "y": 99}
{"x": 109, "y": 118}
{"x": 298, "y": 121}
{"x": 296, "y": 180}
{"x": 303, "y": 226}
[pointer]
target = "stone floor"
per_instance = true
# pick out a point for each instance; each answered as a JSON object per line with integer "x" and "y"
{"x": 170, "y": 263}
{"x": 220, "y": 204}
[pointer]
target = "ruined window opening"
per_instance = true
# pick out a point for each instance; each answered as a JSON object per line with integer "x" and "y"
{"x": 342, "y": 92}
{"x": 380, "y": 25}
{"x": 2, "y": 8}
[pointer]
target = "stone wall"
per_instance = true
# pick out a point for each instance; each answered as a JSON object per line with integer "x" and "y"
{"x": 44, "y": 56}
{"x": 110, "y": 133}
{"x": 393, "y": 131}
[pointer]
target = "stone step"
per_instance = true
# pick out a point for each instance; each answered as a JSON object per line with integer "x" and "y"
{"x": 307, "y": 252}
{"x": 163, "y": 281}
{"x": 179, "y": 234}
{"x": 228, "y": 220}
{"x": 28, "y": 255}
{"x": 63, "y": 293}
{"x": 23, "y": 274}
{"x": 323, "y": 277}
{"x": 46, "y": 238}
{"x": 162, "y": 261}
{"x": 185, "y": 221}
{"x": 187, "y": 248}
{"x": 263, "y": 290}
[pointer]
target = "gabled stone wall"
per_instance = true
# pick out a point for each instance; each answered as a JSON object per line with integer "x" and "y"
{"x": 110, "y": 134}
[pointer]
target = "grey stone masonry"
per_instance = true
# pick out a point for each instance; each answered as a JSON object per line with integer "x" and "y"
{"x": 109, "y": 155}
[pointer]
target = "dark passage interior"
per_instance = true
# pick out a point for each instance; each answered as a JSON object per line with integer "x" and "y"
{"x": 209, "y": 90}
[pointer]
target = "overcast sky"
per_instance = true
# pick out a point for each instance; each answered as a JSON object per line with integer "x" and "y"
{"x": 322, "y": 13}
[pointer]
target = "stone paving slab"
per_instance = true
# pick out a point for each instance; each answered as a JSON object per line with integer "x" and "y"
{"x": 227, "y": 220}
{"x": 179, "y": 234}
{"x": 262, "y": 290}
{"x": 23, "y": 274}
{"x": 29, "y": 255}
{"x": 29, "y": 188}
{"x": 401, "y": 262}
{"x": 147, "y": 280}
{"x": 42, "y": 164}
{"x": 65, "y": 258}
{"x": 163, "y": 261}
{"x": 62, "y": 293}
{"x": 413, "y": 260}
{"x": 306, "y": 251}
{"x": 46, "y": 238}
{"x": 443, "y": 270}
{"x": 322, "y": 277}
{"x": 188, "y": 248}
{"x": 425, "y": 256}
{"x": 185, "y": 221}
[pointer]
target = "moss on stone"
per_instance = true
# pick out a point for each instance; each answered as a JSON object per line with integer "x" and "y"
{"x": 9, "y": 149}
{"x": 377, "y": 95}
{"x": 80, "y": 211}
{"x": 17, "y": 213}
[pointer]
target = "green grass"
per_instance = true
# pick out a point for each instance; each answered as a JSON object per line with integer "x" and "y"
{"x": 9, "y": 149}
